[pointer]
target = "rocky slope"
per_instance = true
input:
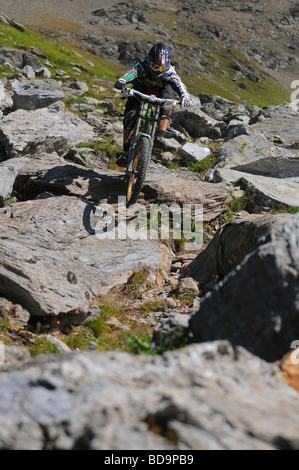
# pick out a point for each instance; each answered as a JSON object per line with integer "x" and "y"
{"x": 236, "y": 50}
{"x": 233, "y": 302}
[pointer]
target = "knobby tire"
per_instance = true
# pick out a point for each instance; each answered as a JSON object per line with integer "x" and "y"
{"x": 139, "y": 168}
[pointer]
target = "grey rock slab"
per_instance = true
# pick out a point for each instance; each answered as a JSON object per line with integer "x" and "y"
{"x": 114, "y": 260}
{"x": 52, "y": 172}
{"x": 22, "y": 126}
{"x": 63, "y": 218}
{"x": 35, "y": 94}
{"x": 274, "y": 191}
{"x": 49, "y": 172}
{"x": 208, "y": 396}
{"x": 38, "y": 275}
{"x": 65, "y": 249}
{"x": 183, "y": 187}
{"x": 229, "y": 246}
{"x": 269, "y": 170}
{"x": 198, "y": 124}
{"x": 257, "y": 304}
{"x": 280, "y": 121}
{"x": 242, "y": 150}
{"x": 194, "y": 152}
{"x": 8, "y": 175}
{"x": 161, "y": 185}
{"x": 7, "y": 20}
{"x": 278, "y": 164}
{"x": 268, "y": 191}
{"x": 18, "y": 58}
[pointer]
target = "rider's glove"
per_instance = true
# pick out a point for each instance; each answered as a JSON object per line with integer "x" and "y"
{"x": 186, "y": 101}
{"x": 120, "y": 84}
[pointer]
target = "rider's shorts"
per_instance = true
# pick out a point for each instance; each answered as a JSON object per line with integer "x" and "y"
{"x": 132, "y": 105}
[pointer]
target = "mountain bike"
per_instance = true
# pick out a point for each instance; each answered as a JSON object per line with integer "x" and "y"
{"x": 142, "y": 141}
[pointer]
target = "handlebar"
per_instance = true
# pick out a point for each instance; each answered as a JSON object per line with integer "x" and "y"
{"x": 150, "y": 98}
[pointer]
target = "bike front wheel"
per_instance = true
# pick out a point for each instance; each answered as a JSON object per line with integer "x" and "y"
{"x": 139, "y": 168}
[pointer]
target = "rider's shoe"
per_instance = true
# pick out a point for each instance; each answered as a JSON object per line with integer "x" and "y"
{"x": 123, "y": 159}
{"x": 160, "y": 142}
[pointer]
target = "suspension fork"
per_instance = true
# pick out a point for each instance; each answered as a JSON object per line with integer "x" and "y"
{"x": 147, "y": 118}
{"x": 148, "y": 131}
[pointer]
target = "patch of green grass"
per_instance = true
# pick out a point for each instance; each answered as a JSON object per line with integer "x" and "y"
{"x": 186, "y": 298}
{"x": 283, "y": 208}
{"x": 138, "y": 282}
{"x": 107, "y": 332}
{"x": 141, "y": 344}
{"x": 42, "y": 346}
{"x": 74, "y": 100}
{"x": 11, "y": 200}
{"x": 107, "y": 145}
{"x": 80, "y": 340}
{"x": 4, "y": 325}
{"x": 107, "y": 310}
{"x": 205, "y": 164}
{"x": 159, "y": 344}
{"x": 60, "y": 55}
{"x": 153, "y": 306}
{"x": 241, "y": 203}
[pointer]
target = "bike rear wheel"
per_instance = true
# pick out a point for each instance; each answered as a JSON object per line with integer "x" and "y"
{"x": 139, "y": 168}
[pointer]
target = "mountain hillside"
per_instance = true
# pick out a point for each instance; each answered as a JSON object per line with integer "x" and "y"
{"x": 170, "y": 325}
{"x": 241, "y": 51}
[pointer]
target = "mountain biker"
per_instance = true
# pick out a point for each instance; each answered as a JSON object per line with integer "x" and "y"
{"x": 154, "y": 75}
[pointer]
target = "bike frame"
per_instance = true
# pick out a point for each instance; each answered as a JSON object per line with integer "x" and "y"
{"x": 147, "y": 121}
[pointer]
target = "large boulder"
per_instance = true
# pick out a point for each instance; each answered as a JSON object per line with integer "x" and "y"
{"x": 229, "y": 246}
{"x": 35, "y": 273}
{"x": 254, "y": 154}
{"x": 181, "y": 187}
{"x": 52, "y": 259}
{"x": 280, "y": 123}
{"x": 35, "y": 94}
{"x": 207, "y": 396}
{"x": 257, "y": 304}
{"x": 41, "y": 172}
{"x": 270, "y": 171}
{"x": 198, "y": 124}
{"x": 22, "y": 126}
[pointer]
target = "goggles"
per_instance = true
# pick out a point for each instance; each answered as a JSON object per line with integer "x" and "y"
{"x": 158, "y": 68}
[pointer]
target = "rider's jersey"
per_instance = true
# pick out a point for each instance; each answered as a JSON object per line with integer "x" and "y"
{"x": 142, "y": 74}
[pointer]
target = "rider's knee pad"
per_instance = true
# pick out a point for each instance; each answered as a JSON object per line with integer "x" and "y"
{"x": 130, "y": 118}
{"x": 166, "y": 111}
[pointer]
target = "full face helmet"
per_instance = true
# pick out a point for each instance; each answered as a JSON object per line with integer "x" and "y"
{"x": 159, "y": 59}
